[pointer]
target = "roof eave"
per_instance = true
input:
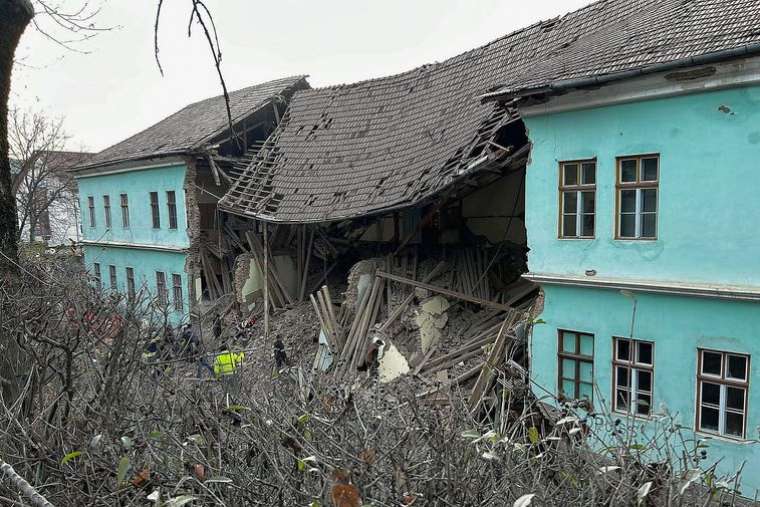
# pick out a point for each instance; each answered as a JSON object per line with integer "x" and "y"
{"x": 561, "y": 86}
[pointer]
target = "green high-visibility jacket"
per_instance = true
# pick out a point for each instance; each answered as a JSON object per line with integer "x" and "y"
{"x": 226, "y": 362}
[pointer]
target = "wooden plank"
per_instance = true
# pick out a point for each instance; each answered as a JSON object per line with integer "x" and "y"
{"x": 436, "y": 271}
{"x": 306, "y": 266}
{"x": 441, "y": 290}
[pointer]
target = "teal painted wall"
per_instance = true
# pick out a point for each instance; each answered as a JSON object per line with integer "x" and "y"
{"x": 709, "y": 146}
{"x": 678, "y": 326}
{"x": 137, "y": 185}
{"x": 145, "y": 264}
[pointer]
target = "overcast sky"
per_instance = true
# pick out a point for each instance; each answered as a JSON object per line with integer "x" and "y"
{"x": 116, "y": 90}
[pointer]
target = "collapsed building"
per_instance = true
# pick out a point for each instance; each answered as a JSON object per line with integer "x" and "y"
{"x": 400, "y": 199}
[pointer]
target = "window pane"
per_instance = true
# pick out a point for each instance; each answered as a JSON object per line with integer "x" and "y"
{"x": 622, "y": 377}
{"x": 628, "y": 226}
{"x": 644, "y": 352}
{"x": 588, "y": 225}
{"x": 569, "y": 225}
{"x": 623, "y": 350}
{"x": 649, "y": 225}
{"x": 628, "y": 171}
{"x": 568, "y": 388}
{"x": 622, "y": 400}
{"x": 648, "y": 200}
{"x": 711, "y": 363}
{"x": 643, "y": 404}
{"x": 568, "y": 342}
{"x": 708, "y": 419}
{"x": 568, "y": 368}
{"x": 586, "y": 391}
{"x": 587, "y": 202}
{"x": 737, "y": 367}
{"x": 734, "y": 424}
{"x": 571, "y": 174}
{"x": 649, "y": 169}
{"x": 645, "y": 380}
{"x": 587, "y": 371}
{"x": 570, "y": 202}
{"x": 627, "y": 201}
{"x": 589, "y": 173}
{"x": 587, "y": 345}
{"x": 710, "y": 393}
{"x": 735, "y": 398}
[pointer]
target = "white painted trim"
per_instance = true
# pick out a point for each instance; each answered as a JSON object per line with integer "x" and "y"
{"x": 98, "y": 171}
{"x": 136, "y": 246}
{"x": 733, "y": 74}
{"x": 741, "y": 293}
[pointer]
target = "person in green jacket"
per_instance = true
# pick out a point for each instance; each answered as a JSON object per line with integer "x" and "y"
{"x": 227, "y": 362}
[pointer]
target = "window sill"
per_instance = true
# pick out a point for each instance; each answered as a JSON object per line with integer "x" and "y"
{"x": 651, "y": 240}
{"x": 725, "y": 438}
{"x": 583, "y": 238}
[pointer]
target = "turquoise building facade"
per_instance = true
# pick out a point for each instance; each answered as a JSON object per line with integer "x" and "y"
{"x": 146, "y": 258}
{"x": 641, "y": 211}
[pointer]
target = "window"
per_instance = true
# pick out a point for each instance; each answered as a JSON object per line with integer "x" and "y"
{"x": 633, "y": 365}
{"x": 154, "y": 210}
{"x": 161, "y": 288}
{"x": 177, "y": 289}
{"x": 637, "y": 180}
{"x": 576, "y": 365}
{"x": 130, "y": 284}
{"x": 112, "y": 276}
{"x": 125, "y": 211}
{"x": 96, "y": 272}
{"x": 577, "y": 190}
{"x": 107, "y": 210}
{"x": 722, "y": 386}
{"x": 91, "y": 207}
{"x": 171, "y": 203}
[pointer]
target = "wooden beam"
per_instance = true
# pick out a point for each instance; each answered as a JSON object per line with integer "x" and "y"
{"x": 441, "y": 290}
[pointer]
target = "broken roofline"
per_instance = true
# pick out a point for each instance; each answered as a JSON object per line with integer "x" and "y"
{"x": 508, "y": 162}
{"x": 563, "y": 85}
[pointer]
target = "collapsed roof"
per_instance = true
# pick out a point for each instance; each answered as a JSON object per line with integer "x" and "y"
{"x": 197, "y": 124}
{"x": 351, "y": 150}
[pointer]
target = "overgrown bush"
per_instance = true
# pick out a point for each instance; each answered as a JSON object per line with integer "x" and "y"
{"x": 102, "y": 422}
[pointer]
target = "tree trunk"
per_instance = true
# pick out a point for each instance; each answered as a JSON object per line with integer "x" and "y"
{"x": 15, "y": 16}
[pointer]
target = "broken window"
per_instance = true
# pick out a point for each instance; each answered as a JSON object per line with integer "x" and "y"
{"x": 107, "y": 210}
{"x": 171, "y": 204}
{"x": 112, "y": 276}
{"x": 177, "y": 289}
{"x": 130, "y": 284}
{"x": 722, "y": 387}
{"x": 96, "y": 273}
{"x": 576, "y": 365}
{"x": 125, "y": 211}
{"x": 163, "y": 297}
{"x": 91, "y": 207}
{"x": 577, "y": 187}
{"x": 637, "y": 183}
{"x": 155, "y": 212}
{"x": 633, "y": 365}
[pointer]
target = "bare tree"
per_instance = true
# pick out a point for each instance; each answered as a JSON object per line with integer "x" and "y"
{"x": 41, "y": 183}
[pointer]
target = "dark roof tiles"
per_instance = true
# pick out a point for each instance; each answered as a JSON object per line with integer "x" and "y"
{"x": 349, "y": 150}
{"x": 194, "y": 124}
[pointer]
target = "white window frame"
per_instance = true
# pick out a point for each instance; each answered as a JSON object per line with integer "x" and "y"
{"x": 579, "y": 188}
{"x": 639, "y": 185}
{"x": 724, "y": 382}
{"x": 634, "y": 366}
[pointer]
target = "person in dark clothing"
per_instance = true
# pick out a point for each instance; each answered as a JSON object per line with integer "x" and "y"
{"x": 280, "y": 358}
{"x": 193, "y": 349}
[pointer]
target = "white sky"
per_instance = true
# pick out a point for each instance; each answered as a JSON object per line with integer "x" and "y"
{"x": 115, "y": 90}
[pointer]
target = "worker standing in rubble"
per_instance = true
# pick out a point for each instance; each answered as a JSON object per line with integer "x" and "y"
{"x": 193, "y": 349}
{"x": 227, "y": 367}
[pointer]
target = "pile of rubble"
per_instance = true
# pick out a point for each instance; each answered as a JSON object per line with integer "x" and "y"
{"x": 441, "y": 323}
